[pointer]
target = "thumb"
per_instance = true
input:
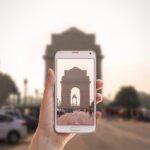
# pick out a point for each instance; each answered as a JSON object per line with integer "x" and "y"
{"x": 49, "y": 87}
{"x": 46, "y": 108}
{"x": 50, "y": 80}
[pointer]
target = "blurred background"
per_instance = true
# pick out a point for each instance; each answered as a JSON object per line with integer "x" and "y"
{"x": 31, "y": 31}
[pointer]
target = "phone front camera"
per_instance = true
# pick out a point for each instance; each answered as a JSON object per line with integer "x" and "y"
{"x": 90, "y": 53}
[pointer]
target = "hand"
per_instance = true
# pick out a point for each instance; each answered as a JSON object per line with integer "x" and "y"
{"x": 45, "y": 137}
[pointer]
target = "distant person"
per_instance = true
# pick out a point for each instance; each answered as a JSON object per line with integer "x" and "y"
{"x": 90, "y": 111}
{"x": 45, "y": 137}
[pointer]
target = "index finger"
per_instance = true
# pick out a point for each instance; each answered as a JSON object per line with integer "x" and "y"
{"x": 99, "y": 84}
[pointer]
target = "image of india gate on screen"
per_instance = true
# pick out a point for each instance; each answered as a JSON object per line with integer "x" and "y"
{"x": 74, "y": 107}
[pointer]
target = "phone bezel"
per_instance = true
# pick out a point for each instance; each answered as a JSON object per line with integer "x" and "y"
{"x": 72, "y": 55}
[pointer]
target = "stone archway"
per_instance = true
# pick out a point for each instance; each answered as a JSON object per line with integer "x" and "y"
{"x": 75, "y": 77}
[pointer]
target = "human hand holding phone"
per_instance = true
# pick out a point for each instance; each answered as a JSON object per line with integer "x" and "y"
{"x": 45, "y": 136}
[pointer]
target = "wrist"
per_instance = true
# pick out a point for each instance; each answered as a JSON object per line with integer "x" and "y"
{"x": 45, "y": 140}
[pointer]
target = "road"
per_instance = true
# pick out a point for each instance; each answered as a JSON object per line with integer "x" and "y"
{"x": 23, "y": 144}
{"x": 109, "y": 135}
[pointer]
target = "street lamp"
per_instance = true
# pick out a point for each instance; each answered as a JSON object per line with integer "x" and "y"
{"x": 25, "y": 90}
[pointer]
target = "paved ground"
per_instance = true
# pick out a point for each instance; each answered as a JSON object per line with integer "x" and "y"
{"x": 114, "y": 135}
{"x": 76, "y": 118}
{"x": 23, "y": 145}
{"x": 110, "y": 135}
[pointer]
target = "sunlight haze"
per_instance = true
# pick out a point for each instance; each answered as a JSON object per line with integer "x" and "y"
{"x": 122, "y": 28}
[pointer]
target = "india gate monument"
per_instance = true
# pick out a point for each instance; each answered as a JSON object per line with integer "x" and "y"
{"x": 75, "y": 77}
{"x": 72, "y": 39}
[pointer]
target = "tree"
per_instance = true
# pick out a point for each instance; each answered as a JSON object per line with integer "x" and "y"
{"x": 127, "y": 97}
{"x": 7, "y": 87}
{"x": 144, "y": 100}
{"x": 104, "y": 104}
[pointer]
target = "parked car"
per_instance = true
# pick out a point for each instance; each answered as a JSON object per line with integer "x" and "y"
{"x": 12, "y": 111}
{"x": 11, "y": 128}
{"x": 32, "y": 122}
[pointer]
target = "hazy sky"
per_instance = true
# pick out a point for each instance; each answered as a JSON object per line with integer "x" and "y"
{"x": 122, "y": 28}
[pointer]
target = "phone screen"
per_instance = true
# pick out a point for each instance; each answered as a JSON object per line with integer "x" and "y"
{"x": 75, "y": 91}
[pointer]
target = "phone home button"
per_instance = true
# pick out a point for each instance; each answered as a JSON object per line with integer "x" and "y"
{"x": 74, "y": 128}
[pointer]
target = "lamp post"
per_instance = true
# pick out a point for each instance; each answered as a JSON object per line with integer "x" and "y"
{"x": 36, "y": 96}
{"x": 25, "y": 91}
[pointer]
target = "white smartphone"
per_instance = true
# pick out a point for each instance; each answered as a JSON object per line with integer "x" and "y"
{"x": 75, "y": 91}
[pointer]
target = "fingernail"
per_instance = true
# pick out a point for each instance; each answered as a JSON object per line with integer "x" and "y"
{"x": 101, "y": 99}
{"x": 49, "y": 72}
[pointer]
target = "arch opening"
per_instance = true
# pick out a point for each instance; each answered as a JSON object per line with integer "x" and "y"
{"x": 75, "y": 96}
